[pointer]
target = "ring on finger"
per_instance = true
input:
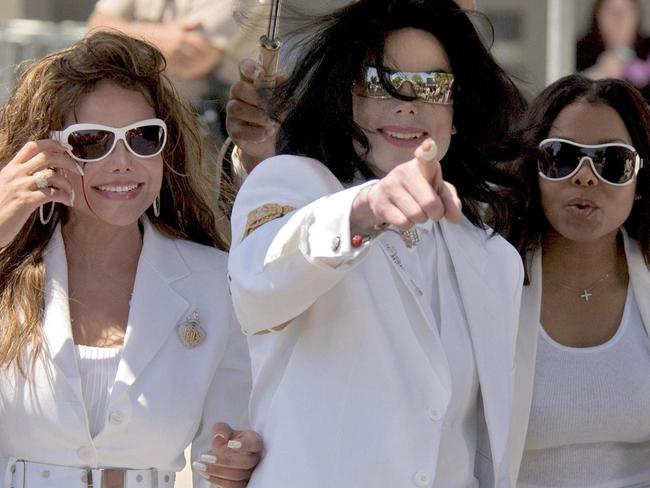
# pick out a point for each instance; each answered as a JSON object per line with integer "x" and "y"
{"x": 41, "y": 180}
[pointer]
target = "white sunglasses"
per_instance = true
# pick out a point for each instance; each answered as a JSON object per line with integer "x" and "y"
{"x": 89, "y": 143}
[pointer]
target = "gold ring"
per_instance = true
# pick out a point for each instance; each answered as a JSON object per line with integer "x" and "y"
{"x": 41, "y": 180}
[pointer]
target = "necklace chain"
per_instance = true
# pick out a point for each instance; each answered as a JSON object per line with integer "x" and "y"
{"x": 585, "y": 292}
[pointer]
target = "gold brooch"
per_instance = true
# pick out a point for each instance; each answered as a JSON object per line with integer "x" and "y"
{"x": 190, "y": 331}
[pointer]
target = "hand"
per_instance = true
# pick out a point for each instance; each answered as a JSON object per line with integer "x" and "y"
{"x": 247, "y": 122}
{"x": 234, "y": 456}
{"x": 609, "y": 65}
{"x": 190, "y": 54}
{"x": 412, "y": 193}
{"x": 20, "y": 195}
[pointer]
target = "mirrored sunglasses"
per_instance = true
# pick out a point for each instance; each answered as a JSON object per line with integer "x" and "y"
{"x": 428, "y": 86}
{"x": 614, "y": 163}
{"x": 93, "y": 142}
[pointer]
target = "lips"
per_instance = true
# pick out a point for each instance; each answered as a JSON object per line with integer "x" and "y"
{"x": 403, "y": 136}
{"x": 119, "y": 190}
{"x": 581, "y": 207}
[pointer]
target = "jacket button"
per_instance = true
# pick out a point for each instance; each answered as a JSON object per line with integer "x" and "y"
{"x": 116, "y": 418}
{"x": 434, "y": 414}
{"x": 422, "y": 479}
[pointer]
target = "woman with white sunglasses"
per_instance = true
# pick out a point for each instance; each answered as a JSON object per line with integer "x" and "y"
{"x": 119, "y": 347}
{"x": 583, "y": 351}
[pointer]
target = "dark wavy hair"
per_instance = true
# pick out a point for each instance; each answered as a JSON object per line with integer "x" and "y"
{"x": 315, "y": 103}
{"x": 631, "y": 107}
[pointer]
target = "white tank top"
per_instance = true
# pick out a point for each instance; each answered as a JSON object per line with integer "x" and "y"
{"x": 590, "y": 417}
{"x": 97, "y": 370}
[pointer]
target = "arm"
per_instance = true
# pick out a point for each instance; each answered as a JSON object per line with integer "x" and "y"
{"x": 213, "y": 459}
{"x": 188, "y": 51}
{"x": 279, "y": 264}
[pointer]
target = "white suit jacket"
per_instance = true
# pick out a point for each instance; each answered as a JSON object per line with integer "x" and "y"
{"x": 529, "y": 324}
{"x": 165, "y": 395}
{"x": 350, "y": 388}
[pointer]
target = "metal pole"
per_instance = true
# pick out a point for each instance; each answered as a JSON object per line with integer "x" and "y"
{"x": 560, "y": 39}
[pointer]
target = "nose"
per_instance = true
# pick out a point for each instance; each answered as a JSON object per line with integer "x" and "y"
{"x": 120, "y": 160}
{"x": 585, "y": 175}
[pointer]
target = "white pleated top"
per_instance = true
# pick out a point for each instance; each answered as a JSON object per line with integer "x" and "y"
{"x": 97, "y": 369}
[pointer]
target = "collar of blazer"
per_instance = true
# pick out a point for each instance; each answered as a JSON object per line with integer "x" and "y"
{"x": 156, "y": 308}
{"x": 529, "y": 333}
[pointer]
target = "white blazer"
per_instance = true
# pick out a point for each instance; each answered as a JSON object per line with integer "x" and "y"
{"x": 348, "y": 390}
{"x": 165, "y": 395}
{"x": 529, "y": 324}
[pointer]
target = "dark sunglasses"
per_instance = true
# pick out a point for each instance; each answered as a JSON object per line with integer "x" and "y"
{"x": 614, "y": 163}
{"x": 93, "y": 142}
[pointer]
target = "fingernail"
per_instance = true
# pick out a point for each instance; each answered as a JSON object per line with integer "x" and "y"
{"x": 200, "y": 467}
{"x": 234, "y": 444}
{"x": 72, "y": 198}
{"x": 208, "y": 458}
{"x": 258, "y": 74}
{"x": 79, "y": 168}
{"x": 219, "y": 434}
{"x": 429, "y": 154}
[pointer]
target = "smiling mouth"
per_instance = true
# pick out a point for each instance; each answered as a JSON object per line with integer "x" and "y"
{"x": 406, "y": 136}
{"x": 118, "y": 188}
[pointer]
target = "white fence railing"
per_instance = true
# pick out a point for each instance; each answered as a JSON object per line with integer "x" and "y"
{"x": 24, "y": 39}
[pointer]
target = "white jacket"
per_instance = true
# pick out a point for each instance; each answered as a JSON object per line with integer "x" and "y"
{"x": 350, "y": 389}
{"x": 165, "y": 395}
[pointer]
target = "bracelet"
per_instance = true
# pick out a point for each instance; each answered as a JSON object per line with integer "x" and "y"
{"x": 359, "y": 239}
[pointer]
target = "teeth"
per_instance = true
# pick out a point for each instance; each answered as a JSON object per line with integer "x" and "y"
{"x": 118, "y": 188}
{"x": 405, "y": 135}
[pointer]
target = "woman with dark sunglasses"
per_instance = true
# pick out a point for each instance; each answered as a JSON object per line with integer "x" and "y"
{"x": 381, "y": 311}
{"x": 119, "y": 347}
{"x": 583, "y": 360}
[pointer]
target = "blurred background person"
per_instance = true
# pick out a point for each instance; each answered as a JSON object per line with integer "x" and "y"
{"x": 194, "y": 35}
{"x": 615, "y": 47}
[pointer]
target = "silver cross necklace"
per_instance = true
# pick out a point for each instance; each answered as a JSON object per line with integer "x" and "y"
{"x": 586, "y": 292}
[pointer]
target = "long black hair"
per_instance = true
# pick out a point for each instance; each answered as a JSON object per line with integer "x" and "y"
{"x": 315, "y": 103}
{"x": 632, "y": 109}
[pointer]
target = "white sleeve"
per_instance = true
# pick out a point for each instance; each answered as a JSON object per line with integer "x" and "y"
{"x": 279, "y": 268}
{"x": 226, "y": 399}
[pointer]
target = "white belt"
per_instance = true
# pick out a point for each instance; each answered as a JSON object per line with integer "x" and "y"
{"x": 26, "y": 474}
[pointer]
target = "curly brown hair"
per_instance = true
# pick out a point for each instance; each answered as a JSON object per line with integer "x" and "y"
{"x": 192, "y": 195}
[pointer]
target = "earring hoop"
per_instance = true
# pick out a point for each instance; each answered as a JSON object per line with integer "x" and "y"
{"x": 41, "y": 214}
{"x": 156, "y": 206}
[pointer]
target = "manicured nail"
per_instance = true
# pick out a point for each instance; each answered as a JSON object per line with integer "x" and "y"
{"x": 219, "y": 434}
{"x": 79, "y": 168}
{"x": 430, "y": 153}
{"x": 234, "y": 444}
{"x": 200, "y": 467}
{"x": 208, "y": 458}
{"x": 258, "y": 74}
{"x": 72, "y": 198}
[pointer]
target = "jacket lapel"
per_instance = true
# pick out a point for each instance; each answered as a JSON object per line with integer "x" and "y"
{"x": 526, "y": 354}
{"x": 57, "y": 330}
{"x": 408, "y": 267}
{"x": 156, "y": 308}
{"x": 639, "y": 278}
{"x": 493, "y": 338}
